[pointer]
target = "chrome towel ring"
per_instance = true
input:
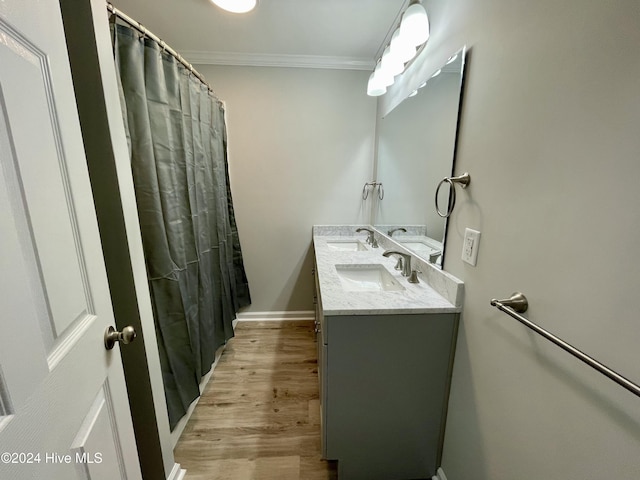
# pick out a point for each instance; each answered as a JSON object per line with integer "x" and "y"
{"x": 365, "y": 190}
{"x": 463, "y": 180}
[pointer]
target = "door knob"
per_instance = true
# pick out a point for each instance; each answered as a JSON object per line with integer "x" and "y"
{"x": 111, "y": 336}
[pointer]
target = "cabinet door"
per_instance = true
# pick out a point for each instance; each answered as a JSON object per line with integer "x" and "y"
{"x": 387, "y": 380}
{"x": 322, "y": 377}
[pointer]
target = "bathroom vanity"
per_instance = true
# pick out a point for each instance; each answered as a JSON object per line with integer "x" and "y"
{"x": 385, "y": 352}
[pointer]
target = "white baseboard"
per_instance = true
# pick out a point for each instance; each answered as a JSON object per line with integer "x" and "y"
{"x": 439, "y": 475}
{"x": 177, "y": 473}
{"x": 275, "y": 316}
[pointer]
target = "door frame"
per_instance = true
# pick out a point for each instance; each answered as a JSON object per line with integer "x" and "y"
{"x": 97, "y": 96}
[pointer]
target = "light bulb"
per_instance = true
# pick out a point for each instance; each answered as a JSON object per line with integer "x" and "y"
{"x": 383, "y": 76}
{"x": 415, "y": 25}
{"x": 375, "y": 88}
{"x": 391, "y": 63}
{"x": 236, "y": 6}
{"x": 401, "y": 48}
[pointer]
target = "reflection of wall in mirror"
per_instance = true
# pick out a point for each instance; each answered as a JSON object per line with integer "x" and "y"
{"x": 415, "y": 151}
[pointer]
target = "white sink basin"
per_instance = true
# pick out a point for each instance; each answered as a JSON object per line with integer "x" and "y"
{"x": 347, "y": 246}
{"x": 367, "y": 278}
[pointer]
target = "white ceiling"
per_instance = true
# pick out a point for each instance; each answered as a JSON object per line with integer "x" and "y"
{"x": 320, "y": 33}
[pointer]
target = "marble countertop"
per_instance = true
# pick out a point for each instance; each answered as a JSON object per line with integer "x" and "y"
{"x": 437, "y": 292}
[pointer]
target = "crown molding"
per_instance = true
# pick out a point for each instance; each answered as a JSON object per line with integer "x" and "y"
{"x": 271, "y": 60}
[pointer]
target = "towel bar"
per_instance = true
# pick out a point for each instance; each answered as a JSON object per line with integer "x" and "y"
{"x": 518, "y": 303}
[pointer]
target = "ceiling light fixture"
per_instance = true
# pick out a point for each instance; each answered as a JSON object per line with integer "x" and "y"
{"x": 412, "y": 32}
{"x": 236, "y": 6}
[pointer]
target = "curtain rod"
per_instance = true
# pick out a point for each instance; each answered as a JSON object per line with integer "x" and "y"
{"x": 142, "y": 29}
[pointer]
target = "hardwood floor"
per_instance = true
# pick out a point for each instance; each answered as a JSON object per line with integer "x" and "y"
{"x": 259, "y": 417}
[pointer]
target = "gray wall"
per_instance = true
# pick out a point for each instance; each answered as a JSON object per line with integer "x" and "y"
{"x": 550, "y": 134}
{"x": 300, "y": 148}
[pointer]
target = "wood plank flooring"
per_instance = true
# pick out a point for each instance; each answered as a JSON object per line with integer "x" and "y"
{"x": 259, "y": 417}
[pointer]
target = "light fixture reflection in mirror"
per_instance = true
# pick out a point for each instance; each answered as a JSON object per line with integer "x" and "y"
{"x": 416, "y": 147}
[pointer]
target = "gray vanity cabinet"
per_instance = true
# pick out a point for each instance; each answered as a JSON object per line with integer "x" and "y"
{"x": 384, "y": 383}
{"x": 384, "y": 360}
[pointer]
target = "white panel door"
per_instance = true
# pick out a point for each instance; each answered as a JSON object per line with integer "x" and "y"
{"x": 64, "y": 412}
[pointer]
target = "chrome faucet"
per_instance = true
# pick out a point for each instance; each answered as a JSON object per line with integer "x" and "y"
{"x": 406, "y": 261}
{"x": 391, "y": 232}
{"x": 371, "y": 239}
{"x": 433, "y": 257}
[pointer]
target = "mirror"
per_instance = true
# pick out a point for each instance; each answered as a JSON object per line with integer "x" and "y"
{"x": 416, "y": 149}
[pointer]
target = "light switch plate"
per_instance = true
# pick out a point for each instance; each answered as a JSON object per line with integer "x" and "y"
{"x": 470, "y": 246}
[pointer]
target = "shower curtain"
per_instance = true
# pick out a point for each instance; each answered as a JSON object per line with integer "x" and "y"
{"x": 177, "y": 137}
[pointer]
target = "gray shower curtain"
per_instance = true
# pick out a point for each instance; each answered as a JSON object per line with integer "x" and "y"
{"x": 177, "y": 135}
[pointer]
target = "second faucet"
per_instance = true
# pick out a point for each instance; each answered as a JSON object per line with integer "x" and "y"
{"x": 371, "y": 239}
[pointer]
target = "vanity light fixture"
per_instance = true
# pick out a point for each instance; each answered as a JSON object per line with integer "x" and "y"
{"x": 412, "y": 32}
{"x": 236, "y": 6}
